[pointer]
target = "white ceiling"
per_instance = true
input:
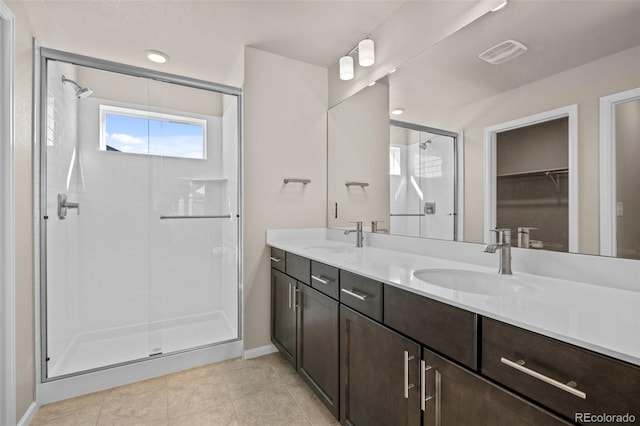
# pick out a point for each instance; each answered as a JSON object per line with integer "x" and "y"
{"x": 560, "y": 35}
{"x": 204, "y": 39}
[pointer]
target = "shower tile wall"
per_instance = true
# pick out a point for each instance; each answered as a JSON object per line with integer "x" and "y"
{"x": 163, "y": 267}
{"x": 62, "y": 242}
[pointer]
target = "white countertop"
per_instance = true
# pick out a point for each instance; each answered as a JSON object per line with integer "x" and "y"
{"x": 602, "y": 319}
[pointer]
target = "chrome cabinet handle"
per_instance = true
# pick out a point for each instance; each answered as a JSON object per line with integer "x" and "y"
{"x": 275, "y": 259}
{"x": 519, "y": 365}
{"x": 320, "y": 279}
{"x": 289, "y": 295}
{"x": 423, "y": 385}
{"x": 407, "y": 386}
{"x": 295, "y": 298}
{"x": 358, "y": 296}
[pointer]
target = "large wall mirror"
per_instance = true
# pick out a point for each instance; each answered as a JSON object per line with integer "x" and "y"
{"x": 528, "y": 129}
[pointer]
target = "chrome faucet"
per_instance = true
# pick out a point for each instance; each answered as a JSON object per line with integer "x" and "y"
{"x": 503, "y": 243}
{"x": 358, "y": 231}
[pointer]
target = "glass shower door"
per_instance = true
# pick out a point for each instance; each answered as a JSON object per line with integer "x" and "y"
{"x": 436, "y": 176}
{"x": 96, "y": 230}
{"x": 140, "y": 219}
{"x": 193, "y": 219}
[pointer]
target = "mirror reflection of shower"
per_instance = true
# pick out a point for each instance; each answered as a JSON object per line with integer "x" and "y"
{"x": 81, "y": 92}
{"x": 423, "y": 186}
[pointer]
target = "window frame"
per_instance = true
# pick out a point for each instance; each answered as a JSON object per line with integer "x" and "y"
{"x": 105, "y": 109}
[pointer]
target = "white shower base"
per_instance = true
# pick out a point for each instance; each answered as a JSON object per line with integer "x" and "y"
{"x": 109, "y": 347}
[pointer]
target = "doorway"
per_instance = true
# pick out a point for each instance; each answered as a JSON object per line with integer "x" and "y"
{"x": 523, "y": 165}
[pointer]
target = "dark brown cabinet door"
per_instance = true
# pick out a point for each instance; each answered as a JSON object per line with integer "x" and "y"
{"x": 318, "y": 345}
{"x": 455, "y": 396}
{"x": 376, "y": 388}
{"x": 283, "y": 314}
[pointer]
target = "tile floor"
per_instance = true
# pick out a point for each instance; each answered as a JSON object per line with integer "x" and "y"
{"x": 260, "y": 391}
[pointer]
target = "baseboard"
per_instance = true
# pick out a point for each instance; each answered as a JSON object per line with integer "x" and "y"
{"x": 28, "y": 416}
{"x": 262, "y": 350}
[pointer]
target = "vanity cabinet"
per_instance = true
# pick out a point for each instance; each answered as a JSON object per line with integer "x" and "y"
{"x": 318, "y": 345}
{"x": 563, "y": 377}
{"x": 444, "y": 328}
{"x": 378, "y": 374}
{"x": 376, "y": 354}
{"x": 304, "y": 323}
{"x": 283, "y": 314}
{"x": 456, "y": 396}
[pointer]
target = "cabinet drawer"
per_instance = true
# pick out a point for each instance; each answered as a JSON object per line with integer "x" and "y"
{"x": 325, "y": 279}
{"x": 277, "y": 259}
{"x": 543, "y": 369}
{"x": 362, "y": 294}
{"x": 298, "y": 267}
{"x": 444, "y": 328}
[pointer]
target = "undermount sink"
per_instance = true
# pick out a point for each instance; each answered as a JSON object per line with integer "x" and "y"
{"x": 477, "y": 282}
{"x": 329, "y": 249}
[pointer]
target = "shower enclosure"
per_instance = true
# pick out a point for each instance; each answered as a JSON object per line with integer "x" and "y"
{"x": 423, "y": 181}
{"x": 139, "y": 212}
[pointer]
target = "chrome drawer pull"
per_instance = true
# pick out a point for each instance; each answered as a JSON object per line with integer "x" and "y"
{"x": 407, "y": 386}
{"x": 519, "y": 365}
{"x": 275, "y": 259}
{"x": 320, "y": 279}
{"x": 423, "y": 385}
{"x": 362, "y": 297}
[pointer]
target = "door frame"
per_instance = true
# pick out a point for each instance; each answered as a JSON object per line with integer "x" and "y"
{"x": 608, "y": 225}
{"x": 490, "y": 167}
{"x": 7, "y": 221}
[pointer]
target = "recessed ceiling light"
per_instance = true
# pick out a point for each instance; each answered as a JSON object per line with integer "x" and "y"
{"x": 499, "y": 7}
{"x": 156, "y": 56}
{"x": 397, "y": 111}
{"x": 372, "y": 83}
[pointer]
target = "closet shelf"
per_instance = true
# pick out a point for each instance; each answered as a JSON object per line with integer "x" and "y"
{"x": 547, "y": 172}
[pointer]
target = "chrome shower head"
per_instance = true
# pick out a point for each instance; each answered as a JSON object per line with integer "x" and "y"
{"x": 426, "y": 144}
{"x": 81, "y": 92}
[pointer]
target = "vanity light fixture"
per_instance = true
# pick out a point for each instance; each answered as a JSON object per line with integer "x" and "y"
{"x": 156, "y": 56}
{"x": 346, "y": 68}
{"x": 366, "y": 53}
{"x": 397, "y": 111}
{"x": 366, "y": 58}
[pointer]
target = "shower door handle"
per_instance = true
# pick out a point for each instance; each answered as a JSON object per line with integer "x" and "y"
{"x": 64, "y": 206}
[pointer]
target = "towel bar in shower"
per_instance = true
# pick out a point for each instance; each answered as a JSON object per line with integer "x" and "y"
{"x": 215, "y": 216}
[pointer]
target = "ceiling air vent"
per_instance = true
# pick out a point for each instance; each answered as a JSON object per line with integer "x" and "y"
{"x": 503, "y": 52}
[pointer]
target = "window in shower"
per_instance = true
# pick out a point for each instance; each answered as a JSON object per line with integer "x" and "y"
{"x": 135, "y": 131}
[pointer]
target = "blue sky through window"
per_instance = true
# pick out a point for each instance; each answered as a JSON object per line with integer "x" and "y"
{"x": 141, "y": 135}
